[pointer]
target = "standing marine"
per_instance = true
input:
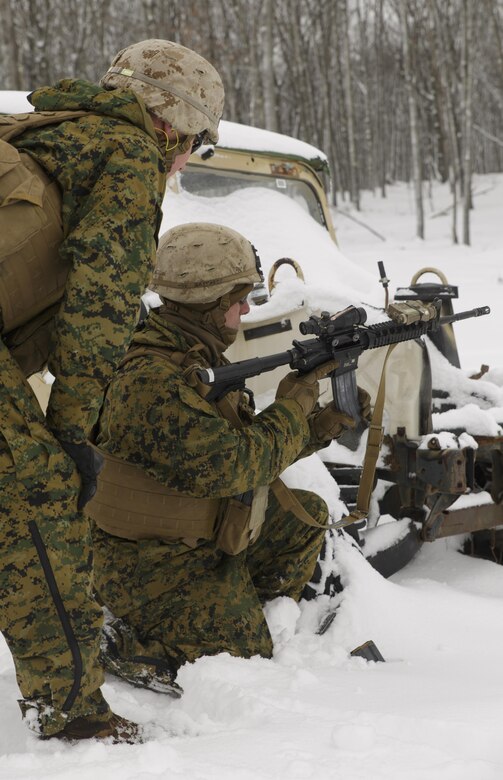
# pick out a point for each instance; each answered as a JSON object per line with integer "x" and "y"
{"x": 82, "y": 181}
{"x": 193, "y": 529}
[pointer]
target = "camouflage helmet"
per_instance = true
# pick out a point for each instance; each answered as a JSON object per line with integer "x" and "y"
{"x": 199, "y": 262}
{"x": 176, "y": 84}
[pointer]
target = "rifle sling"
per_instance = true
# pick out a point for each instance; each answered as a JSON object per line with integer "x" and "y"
{"x": 374, "y": 443}
{"x": 290, "y": 503}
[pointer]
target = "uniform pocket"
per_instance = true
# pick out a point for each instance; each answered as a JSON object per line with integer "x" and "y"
{"x": 17, "y": 183}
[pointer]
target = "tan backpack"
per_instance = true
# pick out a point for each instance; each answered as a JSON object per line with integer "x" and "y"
{"x": 32, "y": 273}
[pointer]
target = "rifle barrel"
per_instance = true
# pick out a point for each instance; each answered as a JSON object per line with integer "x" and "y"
{"x": 464, "y": 315}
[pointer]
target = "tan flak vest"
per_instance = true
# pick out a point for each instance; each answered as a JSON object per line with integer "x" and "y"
{"x": 32, "y": 273}
{"x": 132, "y": 505}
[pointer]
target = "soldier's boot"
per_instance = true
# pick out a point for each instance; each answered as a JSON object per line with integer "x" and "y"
{"x": 98, "y": 725}
{"x": 113, "y": 727}
{"x": 142, "y": 671}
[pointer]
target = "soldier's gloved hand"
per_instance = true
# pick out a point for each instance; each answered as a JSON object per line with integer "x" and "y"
{"x": 328, "y": 423}
{"x": 364, "y": 403}
{"x": 89, "y": 463}
{"x": 304, "y": 388}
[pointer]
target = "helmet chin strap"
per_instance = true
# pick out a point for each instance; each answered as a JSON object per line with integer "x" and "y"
{"x": 211, "y": 316}
{"x": 215, "y": 318}
{"x": 217, "y": 314}
{"x": 171, "y": 152}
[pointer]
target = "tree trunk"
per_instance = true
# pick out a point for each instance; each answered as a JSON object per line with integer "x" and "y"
{"x": 467, "y": 115}
{"x": 9, "y": 75}
{"x": 268, "y": 65}
{"x": 379, "y": 89}
{"x": 346, "y": 61}
{"x": 446, "y": 79}
{"x": 413, "y": 120}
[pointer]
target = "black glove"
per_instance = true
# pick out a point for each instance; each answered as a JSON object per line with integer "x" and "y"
{"x": 89, "y": 463}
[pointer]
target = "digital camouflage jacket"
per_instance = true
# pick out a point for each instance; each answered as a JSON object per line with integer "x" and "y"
{"x": 112, "y": 175}
{"x": 153, "y": 418}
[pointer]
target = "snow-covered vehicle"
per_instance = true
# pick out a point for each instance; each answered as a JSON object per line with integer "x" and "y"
{"x": 430, "y": 482}
{"x": 433, "y": 479}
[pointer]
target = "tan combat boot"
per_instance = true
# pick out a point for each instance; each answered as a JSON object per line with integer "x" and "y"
{"x": 114, "y": 727}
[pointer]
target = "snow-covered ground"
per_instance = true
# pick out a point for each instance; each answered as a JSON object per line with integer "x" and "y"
{"x": 434, "y": 709}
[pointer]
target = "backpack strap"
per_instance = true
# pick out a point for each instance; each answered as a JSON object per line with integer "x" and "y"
{"x": 13, "y": 125}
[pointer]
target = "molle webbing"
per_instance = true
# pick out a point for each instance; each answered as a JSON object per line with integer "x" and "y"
{"x": 131, "y": 504}
{"x": 32, "y": 274}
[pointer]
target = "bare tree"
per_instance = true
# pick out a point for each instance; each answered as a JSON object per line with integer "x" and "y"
{"x": 388, "y": 88}
{"x": 413, "y": 119}
{"x": 467, "y": 115}
{"x": 348, "y": 95}
{"x": 446, "y": 78}
{"x": 268, "y": 67}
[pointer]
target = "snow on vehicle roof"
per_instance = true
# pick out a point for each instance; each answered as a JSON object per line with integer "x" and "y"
{"x": 255, "y": 139}
{"x": 280, "y": 227}
{"x": 232, "y": 135}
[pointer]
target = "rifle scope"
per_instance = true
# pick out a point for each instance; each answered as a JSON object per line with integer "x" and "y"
{"x": 328, "y": 324}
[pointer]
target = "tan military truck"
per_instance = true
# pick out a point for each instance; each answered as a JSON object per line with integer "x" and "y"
{"x": 274, "y": 189}
{"x": 433, "y": 491}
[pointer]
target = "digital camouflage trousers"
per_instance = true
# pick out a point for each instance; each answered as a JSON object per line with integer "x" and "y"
{"x": 48, "y": 615}
{"x": 187, "y": 602}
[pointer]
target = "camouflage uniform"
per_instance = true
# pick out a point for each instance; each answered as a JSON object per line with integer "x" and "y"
{"x": 111, "y": 172}
{"x": 182, "y": 601}
{"x": 112, "y": 176}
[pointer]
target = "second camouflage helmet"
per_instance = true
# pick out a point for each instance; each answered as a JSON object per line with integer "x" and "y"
{"x": 176, "y": 84}
{"x": 199, "y": 262}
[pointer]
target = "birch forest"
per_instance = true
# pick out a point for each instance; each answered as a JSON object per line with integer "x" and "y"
{"x": 408, "y": 90}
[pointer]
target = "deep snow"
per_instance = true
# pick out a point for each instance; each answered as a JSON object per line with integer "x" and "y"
{"x": 434, "y": 710}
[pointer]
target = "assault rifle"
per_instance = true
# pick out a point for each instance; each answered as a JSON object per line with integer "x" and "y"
{"x": 341, "y": 337}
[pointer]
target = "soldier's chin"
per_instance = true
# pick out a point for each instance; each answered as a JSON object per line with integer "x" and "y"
{"x": 231, "y": 335}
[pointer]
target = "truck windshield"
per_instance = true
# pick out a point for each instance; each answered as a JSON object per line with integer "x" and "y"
{"x": 217, "y": 184}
